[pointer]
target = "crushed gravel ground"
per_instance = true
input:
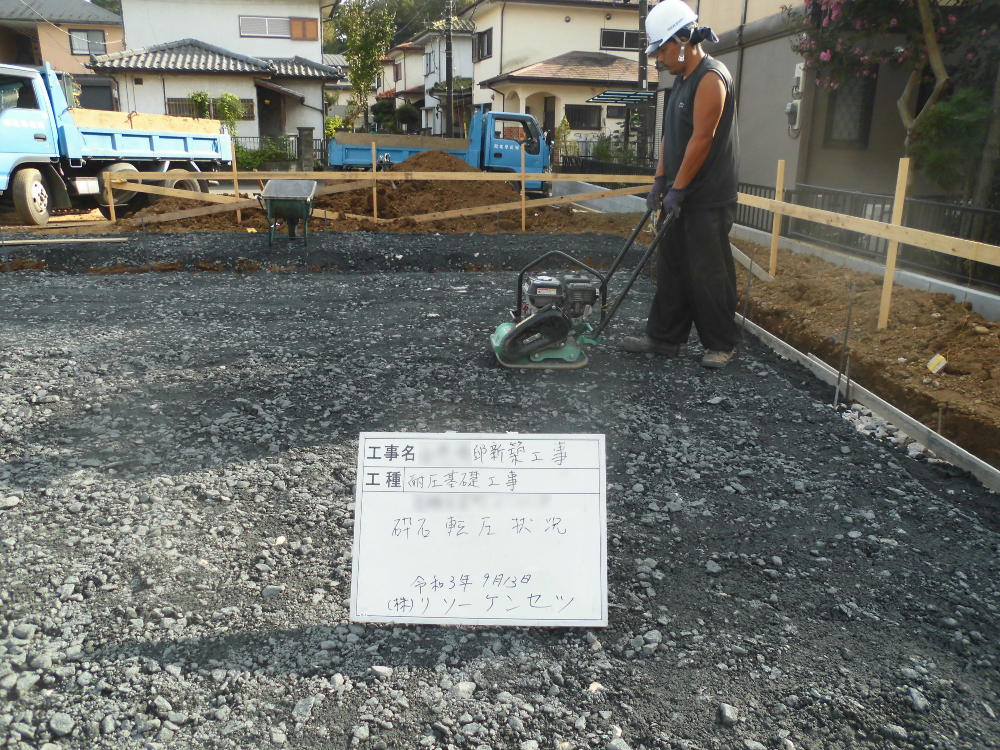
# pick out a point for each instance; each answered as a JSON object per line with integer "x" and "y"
{"x": 176, "y": 513}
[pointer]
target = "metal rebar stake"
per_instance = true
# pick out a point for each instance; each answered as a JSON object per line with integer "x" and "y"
{"x": 746, "y": 294}
{"x": 843, "y": 350}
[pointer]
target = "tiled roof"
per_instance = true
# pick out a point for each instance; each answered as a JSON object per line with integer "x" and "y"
{"x": 57, "y": 11}
{"x": 335, "y": 61}
{"x": 184, "y": 55}
{"x": 194, "y": 56}
{"x": 299, "y": 67}
{"x": 579, "y": 67}
{"x": 459, "y": 24}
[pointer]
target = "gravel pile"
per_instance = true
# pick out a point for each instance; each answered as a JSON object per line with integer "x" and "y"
{"x": 176, "y": 516}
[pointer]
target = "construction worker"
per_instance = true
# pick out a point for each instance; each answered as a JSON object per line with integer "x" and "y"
{"x": 696, "y": 173}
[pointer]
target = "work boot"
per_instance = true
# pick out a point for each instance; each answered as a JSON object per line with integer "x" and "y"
{"x": 646, "y": 345}
{"x": 716, "y": 360}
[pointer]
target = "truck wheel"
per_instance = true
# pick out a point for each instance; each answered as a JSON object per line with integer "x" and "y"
{"x": 121, "y": 198}
{"x": 31, "y": 197}
{"x": 180, "y": 183}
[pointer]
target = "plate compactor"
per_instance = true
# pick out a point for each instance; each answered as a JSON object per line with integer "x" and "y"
{"x": 550, "y": 328}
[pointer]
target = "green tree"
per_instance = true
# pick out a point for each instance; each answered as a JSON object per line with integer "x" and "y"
{"x": 114, "y": 6}
{"x": 367, "y": 28}
{"x": 201, "y": 104}
{"x": 407, "y": 114}
{"x": 945, "y": 45}
{"x": 229, "y": 109}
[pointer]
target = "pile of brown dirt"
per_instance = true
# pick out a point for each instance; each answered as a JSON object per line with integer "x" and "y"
{"x": 399, "y": 200}
{"x": 806, "y": 305}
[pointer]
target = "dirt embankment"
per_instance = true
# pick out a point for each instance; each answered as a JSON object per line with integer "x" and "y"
{"x": 806, "y": 305}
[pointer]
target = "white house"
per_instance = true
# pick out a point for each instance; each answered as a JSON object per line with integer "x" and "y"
{"x": 433, "y": 41}
{"x": 549, "y": 57}
{"x": 278, "y": 71}
{"x": 403, "y": 74}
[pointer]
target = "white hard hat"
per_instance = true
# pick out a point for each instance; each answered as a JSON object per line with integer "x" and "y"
{"x": 666, "y": 19}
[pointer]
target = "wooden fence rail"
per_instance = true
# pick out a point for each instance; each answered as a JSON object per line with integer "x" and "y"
{"x": 893, "y": 231}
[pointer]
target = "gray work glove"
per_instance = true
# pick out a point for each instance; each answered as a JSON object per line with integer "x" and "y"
{"x": 653, "y": 199}
{"x": 673, "y": 199}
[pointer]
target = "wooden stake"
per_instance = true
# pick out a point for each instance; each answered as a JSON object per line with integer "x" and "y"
{"x": 890, "y": 257}
{"x": 374, "y": 186}
{"x": 779, "y": 195}
{"x": 524, "y": 215}
{"x": 111, "y": 197}
{"x": 236, "y": 186}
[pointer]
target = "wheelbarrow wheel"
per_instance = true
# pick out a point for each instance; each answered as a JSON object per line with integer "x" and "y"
{"x": 292, "y": 224}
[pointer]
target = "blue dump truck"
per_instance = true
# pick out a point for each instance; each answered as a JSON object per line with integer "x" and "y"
{"x": 493, "y": 145}
{"x": 53, "y": 157}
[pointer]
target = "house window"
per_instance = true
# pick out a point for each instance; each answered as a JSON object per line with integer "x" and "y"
{"x": 429, "y": 63}
{"x": 87, "y": 42}
{"x": 266, "y": 26}
{"x": 616, "y": 112}
{"x": 304, "y": 29}
{"x": 584, "y": 116}
{"x": 849, "y": 114}
{"x": 182, "y": 107}
{"x": 482, "y": 45}
{"x": 397, "y": 71}
{"x": 620, "y": 39}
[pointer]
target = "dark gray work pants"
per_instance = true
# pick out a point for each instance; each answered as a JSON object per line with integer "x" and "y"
{"x": 696, "y": 281}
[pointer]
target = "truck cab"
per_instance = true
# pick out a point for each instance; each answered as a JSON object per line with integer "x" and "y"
{"x": 499, "y": 137}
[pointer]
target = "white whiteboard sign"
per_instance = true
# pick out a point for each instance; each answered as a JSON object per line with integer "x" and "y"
{"x": 480, "y": 530}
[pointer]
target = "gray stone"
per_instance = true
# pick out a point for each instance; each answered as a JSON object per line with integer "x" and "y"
{"x": 753, "y": 745}
{"x": 528, "y": 745}
{"x": 61, "y": 724}
{"x": 381, "y": 673}
{"x": 893, "y": 732}
{"x": 25, "y": 684}
{"x": 272, "y": 591}
{"x": 713, "y": 568}
{"x": 464, "y": 689}
{"x": 918, "y": 701}
{"x": 278, "y": 737}
{"x": 303, "y": 709}
{"x": 107, "y": 725}
{"x": 23, "y": 631}
{"x": 728, "y": 715}
{"x": 361, "y": 732}
{"x": 11, "y": 501}
{"x": 516, "y": 724}
{"x": 162, "y": 705}
{"x": 618, "y": 744}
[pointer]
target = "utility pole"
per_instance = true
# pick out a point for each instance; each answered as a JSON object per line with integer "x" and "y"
{"x": 643, "y": 10}
{"x": 450, "y": 96}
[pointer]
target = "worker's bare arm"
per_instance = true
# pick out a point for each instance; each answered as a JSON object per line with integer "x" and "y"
{"x": 708, "y": 103}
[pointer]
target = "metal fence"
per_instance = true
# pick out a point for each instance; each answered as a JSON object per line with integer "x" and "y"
{"x": 589, "y": 165}
{"x": 941, "y": 217}
{"x": 283, "y": 148}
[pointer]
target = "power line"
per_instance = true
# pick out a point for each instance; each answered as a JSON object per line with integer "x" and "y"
{"x": 71, "y": 36}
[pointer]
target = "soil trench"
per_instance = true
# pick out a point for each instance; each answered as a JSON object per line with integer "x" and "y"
{"x": 806, "y": 305}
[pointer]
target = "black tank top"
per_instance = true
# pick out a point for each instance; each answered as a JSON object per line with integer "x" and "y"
{"x": 716, "y": 182}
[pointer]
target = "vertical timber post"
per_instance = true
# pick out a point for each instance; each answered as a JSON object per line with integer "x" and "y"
{"x": 779, "y": 196}
{"x": 524, "y": 218}
{"x": 111, "y": 197}
{"x": 374, "y": 186}
{"x": 890, "y": 256}
{"x": 236, "y": 187}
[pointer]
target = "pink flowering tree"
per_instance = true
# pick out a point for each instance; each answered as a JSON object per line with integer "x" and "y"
{"x": 952, "y": 43}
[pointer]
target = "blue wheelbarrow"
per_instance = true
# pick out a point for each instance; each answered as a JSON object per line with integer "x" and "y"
{"x": 291, "y": 201}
